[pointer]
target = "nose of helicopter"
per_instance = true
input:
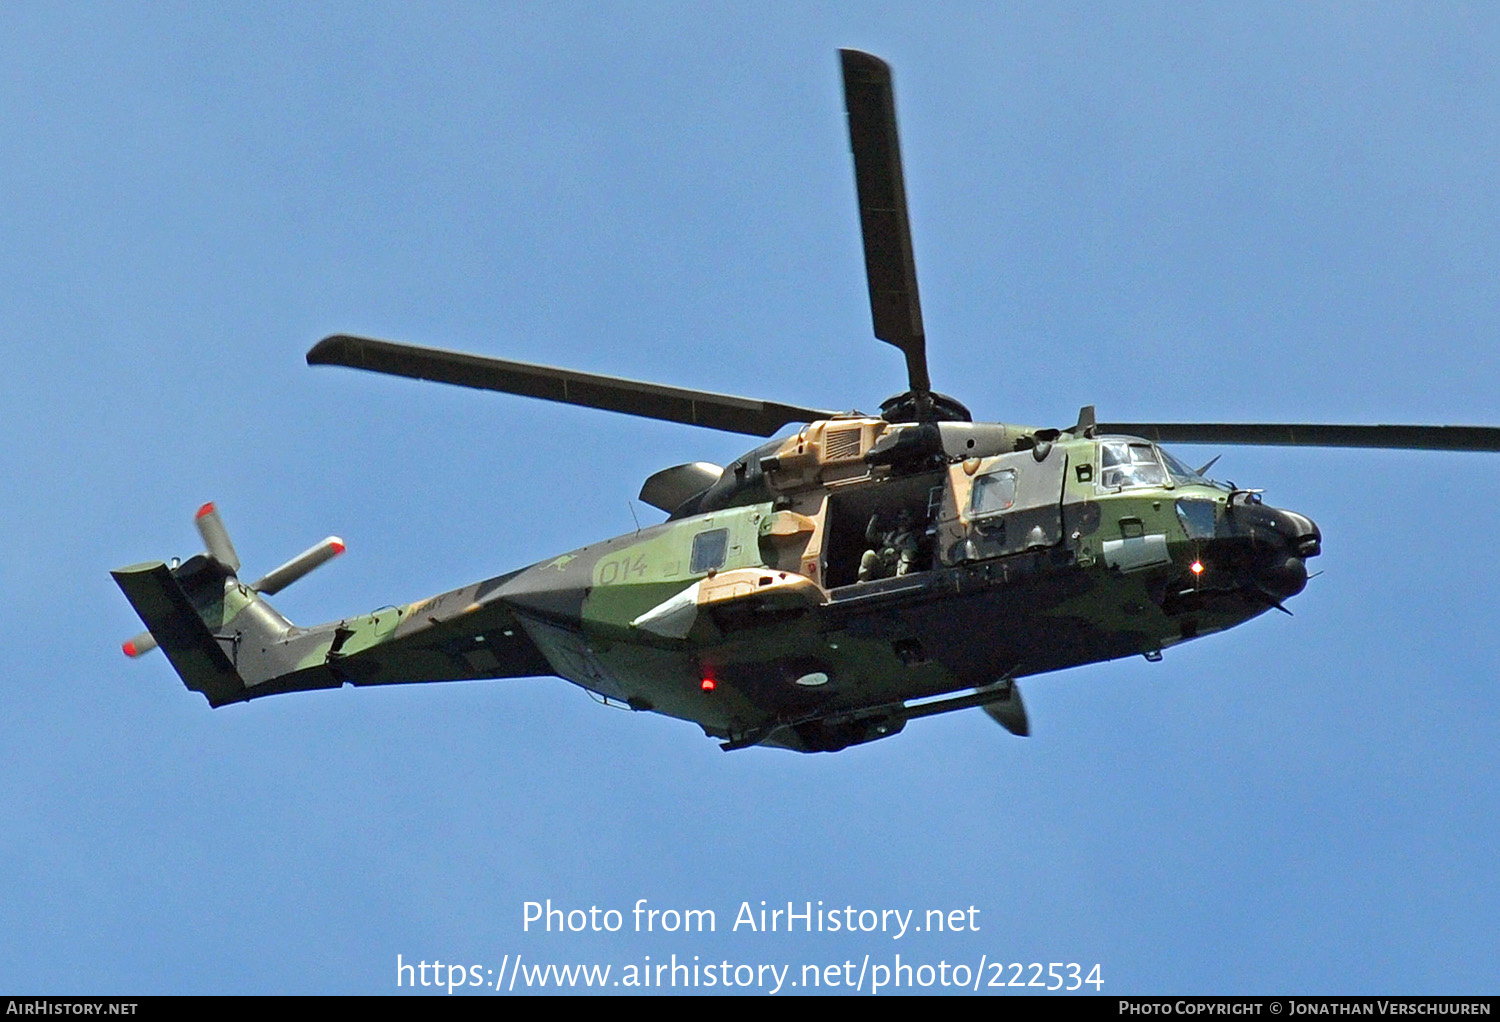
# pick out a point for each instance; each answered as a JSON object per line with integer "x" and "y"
{"x": 1291, "y": 539}
{"x": 1300, "y": 531}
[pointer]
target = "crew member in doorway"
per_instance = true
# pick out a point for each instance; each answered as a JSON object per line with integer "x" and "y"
{"x": 893, "y": 551}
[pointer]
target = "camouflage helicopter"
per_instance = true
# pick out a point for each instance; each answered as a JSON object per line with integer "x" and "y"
{"x": 826, "y": 587}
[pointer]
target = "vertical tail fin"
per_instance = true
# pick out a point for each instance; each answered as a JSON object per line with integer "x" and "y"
{"x": 175, "y": 624}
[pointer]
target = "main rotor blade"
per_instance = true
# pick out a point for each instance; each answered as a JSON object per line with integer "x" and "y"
{"x": 1415, "y": 438}
{"x": 890, "y": 266}
{"x": 611, "y": 393}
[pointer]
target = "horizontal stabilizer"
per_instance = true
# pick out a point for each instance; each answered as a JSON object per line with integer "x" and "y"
{"x": 181, "y": 633}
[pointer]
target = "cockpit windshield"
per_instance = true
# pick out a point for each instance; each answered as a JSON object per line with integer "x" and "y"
{"x": 1181, "y": 474}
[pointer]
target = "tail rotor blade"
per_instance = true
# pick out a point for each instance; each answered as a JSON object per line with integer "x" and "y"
{"x": 216, "y": 537}
{"x": 139, "y": 645}
{"x": 277, "y": 579}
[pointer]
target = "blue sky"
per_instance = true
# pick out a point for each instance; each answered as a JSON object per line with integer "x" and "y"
{"x": 1211, "y": 212}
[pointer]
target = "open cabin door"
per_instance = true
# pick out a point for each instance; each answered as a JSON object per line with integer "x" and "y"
{"x": 1003, "y": 505}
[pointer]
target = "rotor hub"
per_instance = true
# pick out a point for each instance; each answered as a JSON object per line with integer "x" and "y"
{"x": 923, "y": 406}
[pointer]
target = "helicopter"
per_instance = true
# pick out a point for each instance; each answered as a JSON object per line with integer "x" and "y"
{"x": 828, "y": 586}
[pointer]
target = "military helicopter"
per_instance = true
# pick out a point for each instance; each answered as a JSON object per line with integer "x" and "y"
{"x": 828, "y": 586}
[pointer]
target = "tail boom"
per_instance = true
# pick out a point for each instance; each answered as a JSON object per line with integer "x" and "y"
{"x": 228, "y": 643}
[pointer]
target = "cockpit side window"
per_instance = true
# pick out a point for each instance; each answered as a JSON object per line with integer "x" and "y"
{"x": 1123, "y": 464}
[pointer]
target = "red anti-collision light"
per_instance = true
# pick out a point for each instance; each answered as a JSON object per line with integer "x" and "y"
{"x": 1196, "y": 567}
{"x": 707, "y": 685}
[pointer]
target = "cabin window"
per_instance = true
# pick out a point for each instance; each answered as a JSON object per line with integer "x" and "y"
{"x": 709, "y": 550}
{"x": 993, "y": 494}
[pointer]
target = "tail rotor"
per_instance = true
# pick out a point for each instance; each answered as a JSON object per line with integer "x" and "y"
{"x": 219, "y": 549}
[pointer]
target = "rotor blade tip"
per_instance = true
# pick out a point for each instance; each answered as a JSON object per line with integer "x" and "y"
{"x": 129, "y": 647}
{"x": 205, "y": 510}
{"x": 861, "y": 58}
{"x": 328, "y": 350}
{"x": 337, "y": 545}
